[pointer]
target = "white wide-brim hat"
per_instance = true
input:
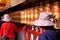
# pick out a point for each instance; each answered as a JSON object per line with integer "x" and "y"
{"x": 42, "y": 21}
{"x": 44, "y": 15}
{"x": 6, "y": 17}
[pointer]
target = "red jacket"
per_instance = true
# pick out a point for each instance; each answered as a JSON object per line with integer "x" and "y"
{"x": 5, "y": 27}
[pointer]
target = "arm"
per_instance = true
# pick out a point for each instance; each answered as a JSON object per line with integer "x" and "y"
{"x": 16, "y": 29}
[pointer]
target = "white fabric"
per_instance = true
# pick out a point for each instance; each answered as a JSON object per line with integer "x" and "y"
{"x": 41, "y": 21}
{"x": 37, "y": 37}
{"x": 44, "y": 15}
{"x": 32, "y": 34}
{"x": 31, "y": 37}
{"x": 6, "y": 17}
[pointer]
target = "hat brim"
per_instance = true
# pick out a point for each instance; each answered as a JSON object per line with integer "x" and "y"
{"x": 7, "y": 19}
{"x": 43, "y": 23}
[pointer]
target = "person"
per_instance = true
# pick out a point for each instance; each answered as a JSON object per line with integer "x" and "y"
{"x": 8, "y": 28}
{"x": 22, "y": 32}
{"x": 46, "y": 26}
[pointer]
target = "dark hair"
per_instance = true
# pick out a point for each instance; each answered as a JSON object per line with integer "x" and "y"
{"x": 49, "y": 27}
{"x": 0, "y": 17}
{"x": 22, "y": 24}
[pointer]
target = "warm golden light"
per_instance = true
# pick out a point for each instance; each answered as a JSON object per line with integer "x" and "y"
{"x": 32, "y": 16}
{"x": 28, "y": 22}
{"x": 0, "y": 0}
{"x": 31, "y": 11}
{"x": 56, "y": 8}
{"x": 36, "y": 16}
{"x": 28, "y": 16}
{"x": 40, "y": 9}
{"x": 56, "y": 14}
{"x": 47, "y": 9}
{"x": 25, "y": 16}
{"x": 8, "y": 1}
{"x": 24, "y": 21}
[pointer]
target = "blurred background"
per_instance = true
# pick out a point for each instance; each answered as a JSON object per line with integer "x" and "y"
{"x": 26, "y": 11}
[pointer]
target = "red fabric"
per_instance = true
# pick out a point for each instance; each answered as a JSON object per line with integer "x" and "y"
{"x": 29, "y": 35}
{"x": 35, "y": 33}
{"x": 5, "y": 27}
{"x": 24, "y": 28}
{"x": 25, "y": 37}
{"x": 34, "y": 37}
{"x": 30, "y": 31}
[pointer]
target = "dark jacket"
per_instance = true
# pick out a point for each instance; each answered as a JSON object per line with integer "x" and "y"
{"x": 49, "y": 35}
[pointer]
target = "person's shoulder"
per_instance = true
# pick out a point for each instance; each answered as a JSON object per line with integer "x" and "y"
{"x": 49, "y": 30}
{"x": 43, "y": 34}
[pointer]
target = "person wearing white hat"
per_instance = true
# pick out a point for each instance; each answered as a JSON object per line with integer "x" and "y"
{"x": 8, "y": 28}
{"x": 46, "y": 27}
{"x": 6, "y": 18}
